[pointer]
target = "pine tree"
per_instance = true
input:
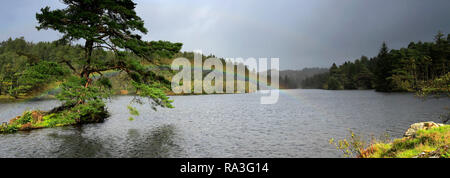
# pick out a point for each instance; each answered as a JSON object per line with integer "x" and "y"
{"x": 383, "y": 69}
{"x": 104, "y": 25}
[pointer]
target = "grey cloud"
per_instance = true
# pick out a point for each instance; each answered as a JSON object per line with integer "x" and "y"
{"x": 302, "y": 33}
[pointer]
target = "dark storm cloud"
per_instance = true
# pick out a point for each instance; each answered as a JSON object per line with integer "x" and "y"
{"x": 301, "y": 33}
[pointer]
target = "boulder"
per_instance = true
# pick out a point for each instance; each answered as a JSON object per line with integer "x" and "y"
{"x": 411, "y": 132}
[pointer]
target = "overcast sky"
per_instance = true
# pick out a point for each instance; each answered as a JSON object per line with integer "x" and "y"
{"x": 302, "y": 33}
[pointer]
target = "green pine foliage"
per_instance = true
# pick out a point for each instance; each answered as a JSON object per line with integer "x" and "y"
{"x": 406, "y": 69}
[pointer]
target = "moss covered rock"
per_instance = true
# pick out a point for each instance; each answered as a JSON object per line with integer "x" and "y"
{"x": 412, "y": 130}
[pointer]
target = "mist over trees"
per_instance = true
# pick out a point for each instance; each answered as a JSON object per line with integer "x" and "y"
{"x": 292, "y": 79}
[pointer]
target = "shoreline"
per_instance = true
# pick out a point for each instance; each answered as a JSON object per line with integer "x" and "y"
{"x": 421, "y": 140}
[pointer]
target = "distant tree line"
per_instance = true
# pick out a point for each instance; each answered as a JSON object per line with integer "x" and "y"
{"x": 406, "y": 69}
{"x": 292, "y": 79}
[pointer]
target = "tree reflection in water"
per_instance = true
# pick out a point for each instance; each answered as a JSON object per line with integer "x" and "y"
{"x": 76, "y": 145}
{"x": 156, "y": 143}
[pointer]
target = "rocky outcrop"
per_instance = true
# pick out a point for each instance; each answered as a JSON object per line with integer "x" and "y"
{"x": 411, "y": 132}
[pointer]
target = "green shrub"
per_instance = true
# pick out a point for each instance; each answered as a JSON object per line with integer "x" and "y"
{"x": 25, "y": 118}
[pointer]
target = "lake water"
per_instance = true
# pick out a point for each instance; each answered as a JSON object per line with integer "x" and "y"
{"x": 299, "y": 125}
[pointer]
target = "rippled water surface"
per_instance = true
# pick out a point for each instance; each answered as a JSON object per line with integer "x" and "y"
{"x": 299, "y": 125}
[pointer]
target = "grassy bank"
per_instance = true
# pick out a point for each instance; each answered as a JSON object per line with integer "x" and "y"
{"x": 434, "y": 143}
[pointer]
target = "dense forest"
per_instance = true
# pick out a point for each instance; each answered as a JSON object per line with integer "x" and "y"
{"x": 406, "y": 69}
{"x": 27, "y": 68}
